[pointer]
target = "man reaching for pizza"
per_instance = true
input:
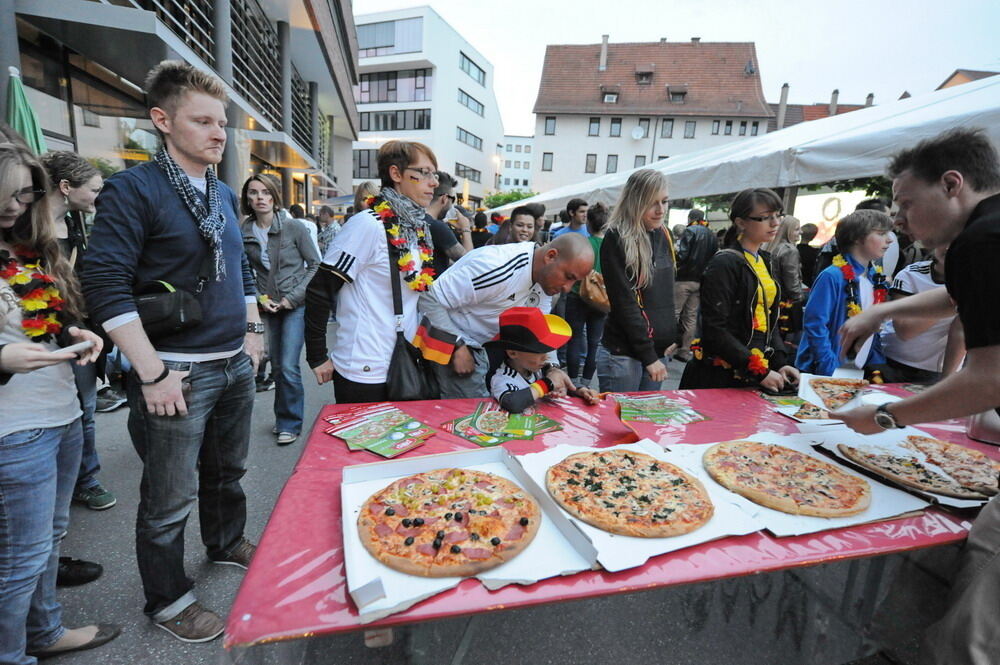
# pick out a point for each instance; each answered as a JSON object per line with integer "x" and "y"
{"x": 948, "y": 192}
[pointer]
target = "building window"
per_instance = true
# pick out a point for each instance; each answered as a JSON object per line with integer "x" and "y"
{"x": 644, "y": 126}
{"x": 467, "y": 172}
{"x": 506, "y": 181}
{"x": 644, "y": 78}
{"x": 509, "y": 147}
{"x": 525, "y": 181}
{"x": 616, "y": 127}
{"x": 689, "y": 126}
{"x": 610, "y": 98}
{"x": 388, "y": 37}
{"x": 470, "y": 139}
{"x": 546, "y": 161}
{"x": 472, "y": 69}
{"x": 506, "y": 163}
{"x": 590, "y": 166}
{"x": 715, "y": 127}
{"x": 91, "y": 119}
{"x": 667, "y": 128}
{"x": 743, "y": 128}
{"x": 527, "y": 148}
{"x": 365, "y": 164}
{"x": 389, "y": 121}
{"x": 517, "y": 181}
{"x": 640, "y": 160}
{"x": 754, "y": 127}
{"x": 527, "y": 165}
{"x": 517, "y": 148}
{"x": 470, "y": 102}
{"x": 660, "y": 158}
{"x": 612, "y": 164}
{"x": 517, "y": 165}
{"x": 408, "y": 85}
{"x": 677, "y": 97}
{"x": 550, "y": 125}
{"x": 729, "y": 128}
{"x": 594, "y": 129}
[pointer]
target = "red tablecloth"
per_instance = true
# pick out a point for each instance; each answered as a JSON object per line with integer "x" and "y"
{"x": 296, "y": 585}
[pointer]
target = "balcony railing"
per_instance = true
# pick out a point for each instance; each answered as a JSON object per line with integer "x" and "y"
{"x": 256, "y": 70}
{"x": 191, "y": 20}
{"x": 301, "y": 112}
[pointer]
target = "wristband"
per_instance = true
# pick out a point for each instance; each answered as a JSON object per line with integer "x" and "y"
{"x": 255, "y": 327}
{"x": 541, "y": 388}
{"x": 165, "y": 374}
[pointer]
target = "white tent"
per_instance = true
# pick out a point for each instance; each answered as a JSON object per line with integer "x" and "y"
{"x": 853, "y": 145}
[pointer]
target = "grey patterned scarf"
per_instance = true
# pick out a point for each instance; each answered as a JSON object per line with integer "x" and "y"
{"x": 410, "y": 215}
{"x": 211, "y": 222}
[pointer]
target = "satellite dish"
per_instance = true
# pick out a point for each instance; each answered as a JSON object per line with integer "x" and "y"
{"x": 638, "y": 132}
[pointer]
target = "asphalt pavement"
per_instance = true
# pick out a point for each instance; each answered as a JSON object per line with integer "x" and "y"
{"x": 811, "y": 616}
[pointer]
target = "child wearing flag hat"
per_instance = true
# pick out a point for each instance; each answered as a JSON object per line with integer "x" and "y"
{"x": 519, "y": 357}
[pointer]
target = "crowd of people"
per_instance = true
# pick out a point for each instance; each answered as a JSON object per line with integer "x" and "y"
{"x": 183, "y": 276}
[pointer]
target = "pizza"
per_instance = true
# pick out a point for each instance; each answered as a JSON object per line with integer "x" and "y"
{"x": 448, "y": 523}
{"x": 811, "y": 412}
{"x": 835, "y": 393}
{"x": 907, "y": 471}
{"x": 630, "y": 494}
{"x": 787, "y": 480}
{"x": 969, "y": 468}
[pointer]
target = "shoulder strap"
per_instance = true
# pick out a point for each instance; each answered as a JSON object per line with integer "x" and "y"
{"x": 670, "y": 244}
{"x": 397, "y": 296}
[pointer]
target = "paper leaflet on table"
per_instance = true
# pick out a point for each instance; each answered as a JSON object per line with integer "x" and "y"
{"x": 379, "y": 428}
{"x": 654, "y": 409}
{"x": 490, "y": 425}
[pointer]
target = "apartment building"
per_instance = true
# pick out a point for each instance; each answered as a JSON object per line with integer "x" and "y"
{"x": 420, "y": 80}
{"x": 606, "y": 108}
{"x": 517, "y": 157}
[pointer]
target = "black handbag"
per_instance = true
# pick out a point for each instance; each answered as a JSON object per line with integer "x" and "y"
{"x": 165, "y": 310}
{"x": 410, "y": 376}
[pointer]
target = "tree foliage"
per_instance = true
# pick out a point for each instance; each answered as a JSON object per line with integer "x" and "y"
{"x": 498, "y": 199}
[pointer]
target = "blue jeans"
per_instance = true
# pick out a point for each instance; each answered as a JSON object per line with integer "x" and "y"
{"x": 588, "y": 329}
{"x": 622, "y": 374}
{"x": 38, "y": 469}
{"x": 86, "y": 387}
{"x": 201, "y": 455}
{"x": 285, "y": 336}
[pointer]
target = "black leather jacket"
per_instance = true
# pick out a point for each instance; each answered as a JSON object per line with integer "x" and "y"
{"x": 695, "y": 249}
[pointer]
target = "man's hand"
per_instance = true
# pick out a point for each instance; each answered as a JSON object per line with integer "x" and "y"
{"x": 462, "y": 362}
{"x": 860, "y": 419}
{"x": 657, "y": 371}
{"x": 253, "y": 346}
{"x": 858, "y": 328}
{"x": 588, "y": 395}
{"x": 790, "y": 374}
{"x": 773, "y": 381}
{"x": 166, "y": 398}
{"x": 562, "y": 385}
{"x": 286, "y": 304}
{"x": 24, "y": 357}
{"x": 84, "y": 335}
{"x": 324, "y": 372}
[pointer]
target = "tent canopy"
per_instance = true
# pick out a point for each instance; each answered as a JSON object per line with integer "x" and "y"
{"x": 852, "y": 145}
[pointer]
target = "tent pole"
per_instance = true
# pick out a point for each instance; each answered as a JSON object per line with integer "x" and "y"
{"x": 788, "y": 200}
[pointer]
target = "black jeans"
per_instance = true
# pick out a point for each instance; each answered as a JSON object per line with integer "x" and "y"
{"x": 201, "y": 455}
{"x": 346, "y": 391}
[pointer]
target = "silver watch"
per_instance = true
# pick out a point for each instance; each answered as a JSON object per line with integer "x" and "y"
{"x": 884, "y": 419}
{"x": 255, "y": 327}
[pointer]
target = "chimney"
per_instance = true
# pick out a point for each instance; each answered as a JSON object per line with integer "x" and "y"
{"x": 696, "y": 40}
{"x": 870, "y": 99}
{"x": 604, "y": 54}
{"x": 663, "y": 40}
{"x": 782, "y": 106}
{"x": 833, "y": 102}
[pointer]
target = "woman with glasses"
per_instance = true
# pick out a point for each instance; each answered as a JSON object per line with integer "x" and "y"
{"x": 283, "y": 257}
{"x": 854, "y": 282}
{"x": 40, "y": 432}
{"x": 740, "y": 343}
{"x": 637, "y": 261}
{"x": 358, "y": 268}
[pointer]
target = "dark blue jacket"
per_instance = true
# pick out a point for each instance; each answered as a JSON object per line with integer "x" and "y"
{"x": 144, "y": 232}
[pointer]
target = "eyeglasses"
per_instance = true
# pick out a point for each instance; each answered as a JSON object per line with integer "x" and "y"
{"x": 776, "y": 216}
{"x": 426, "y": 174}
{"x": 452, "y": 198}
{"x": 28, "y": 195}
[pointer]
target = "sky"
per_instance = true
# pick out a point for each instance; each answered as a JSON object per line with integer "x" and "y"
{"x": 857, "y": 46}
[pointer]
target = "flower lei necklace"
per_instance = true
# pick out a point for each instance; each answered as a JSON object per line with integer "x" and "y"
{"x": 40, "y": 299}
{"x": 881, "y": 290}
{"x": 417, "y": 280}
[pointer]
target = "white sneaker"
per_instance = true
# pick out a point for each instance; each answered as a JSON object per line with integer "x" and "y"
{"x": 285, "y": 438}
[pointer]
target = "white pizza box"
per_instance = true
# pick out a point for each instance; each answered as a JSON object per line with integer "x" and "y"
{"x": 379, "y": 591}
{"x": 890, "y": 441}
{"x": 873, "y": 398}
{"x": 808, "y": 394}
{"x": 885, "y": 501}
{"x": 616, "y": 552}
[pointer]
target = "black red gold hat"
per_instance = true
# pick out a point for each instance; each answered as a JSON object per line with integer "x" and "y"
{"x": 527, "y": 329}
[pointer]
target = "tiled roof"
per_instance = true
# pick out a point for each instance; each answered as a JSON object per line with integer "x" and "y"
{"x": 720, "y": 79}
{"x": 796, "y": 113}
{"x": 971, "y": 74}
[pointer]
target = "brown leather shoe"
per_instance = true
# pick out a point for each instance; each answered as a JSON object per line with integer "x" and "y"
{"x": 105, "y": 633}
{"x": 240, "y": 555}
{"x": 194, "y": 624}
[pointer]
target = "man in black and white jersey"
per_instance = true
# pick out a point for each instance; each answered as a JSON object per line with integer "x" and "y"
{"x": 467, "y": 301}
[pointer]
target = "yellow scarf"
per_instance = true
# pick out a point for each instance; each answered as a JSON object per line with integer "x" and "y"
{"x": 767, "y": 291}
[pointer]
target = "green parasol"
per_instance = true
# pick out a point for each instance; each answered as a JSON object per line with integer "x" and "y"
{"x": 20, "y": 116}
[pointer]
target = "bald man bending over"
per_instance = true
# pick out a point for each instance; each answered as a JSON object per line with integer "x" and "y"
{"x": 463, "y": 306}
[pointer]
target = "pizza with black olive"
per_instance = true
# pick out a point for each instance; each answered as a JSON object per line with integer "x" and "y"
{"x": 448, "y": 523}
{"x": 628, "y": 493}
{"x": 909, "y": 472}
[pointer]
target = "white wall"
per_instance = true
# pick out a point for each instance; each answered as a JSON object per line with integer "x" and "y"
{"x": 521, "y": 164}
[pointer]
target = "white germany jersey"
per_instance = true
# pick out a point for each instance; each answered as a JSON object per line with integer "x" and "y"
{"x": 484, "y": 283}
{"x": 367, "y": 332}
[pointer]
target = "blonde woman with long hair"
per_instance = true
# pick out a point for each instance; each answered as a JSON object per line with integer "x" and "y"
{"x": 786, "y": 266}
{"x": 637, "y": 259}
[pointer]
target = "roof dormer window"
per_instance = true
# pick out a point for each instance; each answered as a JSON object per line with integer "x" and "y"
{"x": 610, "y": 98}
{"x": 609, "y": 93}
{"x": 677, "y": 93}
{"x": 644, "y": 73}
